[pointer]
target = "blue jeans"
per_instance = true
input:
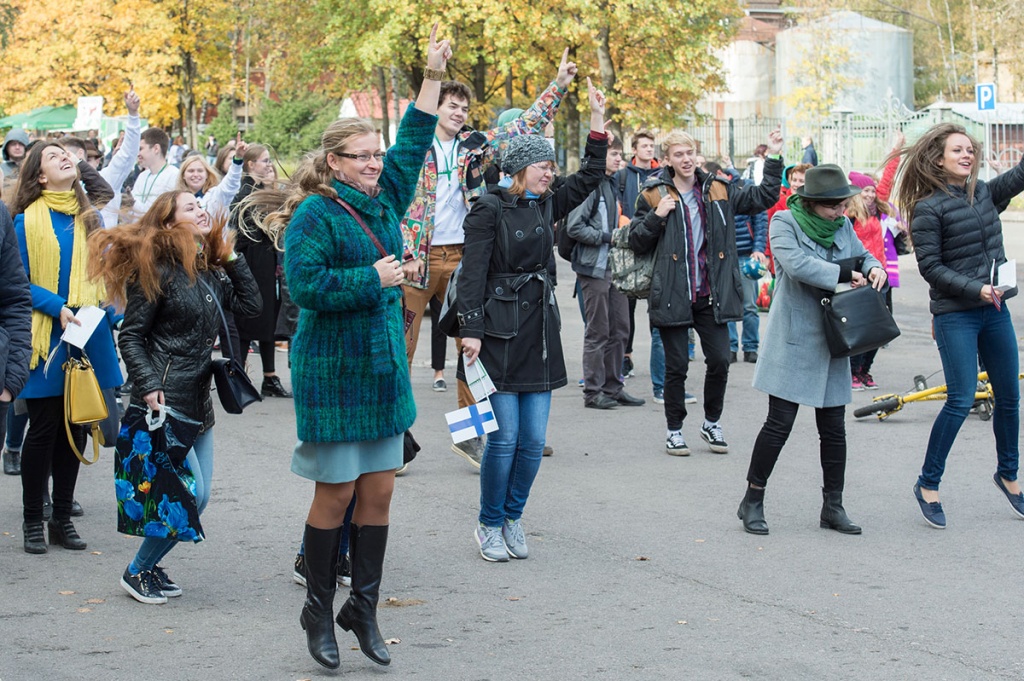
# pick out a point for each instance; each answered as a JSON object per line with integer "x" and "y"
{"x": 751, "y": 320}
{"x": 962, "y": 338}
{"x": 200, "y": 460}
{"x": 657, "y": 361}
{"x": 17, "y": 424}
{"x": 512, "y": 454}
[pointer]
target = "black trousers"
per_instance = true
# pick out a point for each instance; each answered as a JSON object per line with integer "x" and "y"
{"x": 831, "y": 422}
{"x": 714, "y": 342}
{"x": 46, "y": 447}
{"x": 438, "y": 340}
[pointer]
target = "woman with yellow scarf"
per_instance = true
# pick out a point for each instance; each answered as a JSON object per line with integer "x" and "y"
{"x": 53, "y": 217}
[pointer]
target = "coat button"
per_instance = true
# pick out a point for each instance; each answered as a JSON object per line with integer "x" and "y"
{"x": 209, "y": 298}
{"x": 721, "y": 255}
{"x": 499, "y": 290}
{"x": 675, "y": 257}
{"x": 526, "y": 305}
{"x": 532, "y": 204}
{"x": 209, "y": 342}
{"x": 520, "y": 234}
{"x": 539, "y": 229}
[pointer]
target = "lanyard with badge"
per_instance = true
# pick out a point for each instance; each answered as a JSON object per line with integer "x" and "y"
{"x": 451, "y": 165}
{"x": 150, "y": 184}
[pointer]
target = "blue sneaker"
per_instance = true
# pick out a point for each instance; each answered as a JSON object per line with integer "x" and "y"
{"x": 1016, "y": 500}
{"x": 931, "y": 510}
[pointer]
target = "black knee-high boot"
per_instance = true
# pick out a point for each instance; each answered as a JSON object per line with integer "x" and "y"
{"x": 317, "y": 617}
{"x": 367, "y": 545}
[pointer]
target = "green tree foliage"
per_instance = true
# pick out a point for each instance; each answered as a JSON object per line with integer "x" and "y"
{"x": 294, "y": 127}
{"x": 224, "y": 126}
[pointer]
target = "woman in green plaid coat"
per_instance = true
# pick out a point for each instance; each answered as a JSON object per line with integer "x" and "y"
{"x": 353, "y": 400}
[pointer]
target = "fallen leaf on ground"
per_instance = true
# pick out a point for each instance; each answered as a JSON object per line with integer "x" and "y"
{"x": 513, "y": 598}
{"x": 699, "y": 541}
{"x": 641, "y": 558}
{"x": 66, "y": 593}
{"x": 168, "y": 631}
{"x": 95, "y": 601}
{"x": 402, "y": 602}
{"x": 85, "y": 610}
{"x": 681, "y": 622}
{"x": 96, "y": 553}
{"x": 392, "y": 641}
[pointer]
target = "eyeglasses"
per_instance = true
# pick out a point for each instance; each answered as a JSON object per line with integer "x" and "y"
{"x": 544, "y": 167}
{"x": 363, "y": 158}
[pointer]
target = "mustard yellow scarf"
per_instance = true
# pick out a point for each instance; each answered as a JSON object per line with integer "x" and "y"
{"x": 44, "y": 263}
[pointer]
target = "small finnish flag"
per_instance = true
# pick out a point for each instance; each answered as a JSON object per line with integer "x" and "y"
{"x": 472, "y": 421}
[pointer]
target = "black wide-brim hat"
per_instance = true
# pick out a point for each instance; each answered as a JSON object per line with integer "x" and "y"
{"x": 826, "y": 183}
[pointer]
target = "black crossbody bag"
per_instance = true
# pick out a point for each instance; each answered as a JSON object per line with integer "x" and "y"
{"x": 234, "y": 387}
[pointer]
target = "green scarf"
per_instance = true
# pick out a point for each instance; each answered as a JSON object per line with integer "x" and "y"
{"x": 820, "y": 230}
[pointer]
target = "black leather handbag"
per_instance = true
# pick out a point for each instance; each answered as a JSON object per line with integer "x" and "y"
{"x": 234, "y": 387}
{"x": 857, "y": 321}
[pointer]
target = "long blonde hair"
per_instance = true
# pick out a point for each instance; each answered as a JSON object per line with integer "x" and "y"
{"x": 921, "y": 172}
{"x": 313, "y": 177}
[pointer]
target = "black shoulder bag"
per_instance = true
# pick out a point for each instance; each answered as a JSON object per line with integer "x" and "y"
{"x": 856, "y": 320}
{"x": 234, "y": 387}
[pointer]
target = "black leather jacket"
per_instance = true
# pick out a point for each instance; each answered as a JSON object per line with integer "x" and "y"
{"x": 167, "y": 344}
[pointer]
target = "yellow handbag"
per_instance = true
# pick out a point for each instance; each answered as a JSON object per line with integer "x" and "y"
{"x": 84, "y": 404}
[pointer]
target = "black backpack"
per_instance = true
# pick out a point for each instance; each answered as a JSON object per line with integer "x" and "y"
{"x": 565, "y": 243}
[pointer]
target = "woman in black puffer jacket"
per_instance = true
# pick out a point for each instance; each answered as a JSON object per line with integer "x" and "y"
{"x": 958, "y": 240}
{"x": 163, "y": 271}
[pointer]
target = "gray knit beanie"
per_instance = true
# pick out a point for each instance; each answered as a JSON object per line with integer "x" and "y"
{"x": 524, "y": 150}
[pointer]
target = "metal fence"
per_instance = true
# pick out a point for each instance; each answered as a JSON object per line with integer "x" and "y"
{"x": 861, "y": 141}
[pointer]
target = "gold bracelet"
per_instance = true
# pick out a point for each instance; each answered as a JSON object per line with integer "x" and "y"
{"x": 433, "y": 74}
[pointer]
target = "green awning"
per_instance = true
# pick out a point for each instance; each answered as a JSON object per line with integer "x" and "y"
{"x": 56, "y": 118}
{"x": 18, "y": 120}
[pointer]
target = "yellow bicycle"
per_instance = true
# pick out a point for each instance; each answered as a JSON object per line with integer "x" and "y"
{"x": 884, "y": 406}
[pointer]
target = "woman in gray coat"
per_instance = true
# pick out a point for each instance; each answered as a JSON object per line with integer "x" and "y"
{"x": 815, "y": 249}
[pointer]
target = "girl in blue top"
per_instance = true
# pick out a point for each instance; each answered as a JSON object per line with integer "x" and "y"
{"x": 52, "y": 220}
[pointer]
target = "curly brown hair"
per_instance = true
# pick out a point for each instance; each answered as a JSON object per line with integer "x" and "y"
{"x": 140, "y": 252}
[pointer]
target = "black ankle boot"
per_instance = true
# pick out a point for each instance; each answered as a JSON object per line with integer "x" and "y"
{"x": 35, "y": 542}
{"x": 317, "y": 617}
{"x": 367, "y": 545}
{"x": 751, "y": 511}
{"x": 12, "y": 462}
{"x": 833, "y": 515}
{"x": 272, "y": 387}
{"x": 63, "y": 532}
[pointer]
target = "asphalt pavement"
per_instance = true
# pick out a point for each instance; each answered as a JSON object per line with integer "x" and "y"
{"x": 638, "y": 567}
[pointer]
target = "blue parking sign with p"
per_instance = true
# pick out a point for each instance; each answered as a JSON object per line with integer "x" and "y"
{"x": 985, "y": 95}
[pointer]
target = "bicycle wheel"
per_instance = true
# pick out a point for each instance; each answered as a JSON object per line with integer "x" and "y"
{"x": 881, "y": 406}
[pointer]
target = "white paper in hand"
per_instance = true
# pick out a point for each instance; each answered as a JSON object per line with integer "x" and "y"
{"x": 479, "y": 381}
{"x": 90, "y": 318}
{"x": 1006, "y": 276}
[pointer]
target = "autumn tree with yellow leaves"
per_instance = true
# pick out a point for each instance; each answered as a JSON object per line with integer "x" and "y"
{"x": 654, "y": 60}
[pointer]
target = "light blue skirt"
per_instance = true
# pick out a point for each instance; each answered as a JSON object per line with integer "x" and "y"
{"x": 335, "y": 462}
